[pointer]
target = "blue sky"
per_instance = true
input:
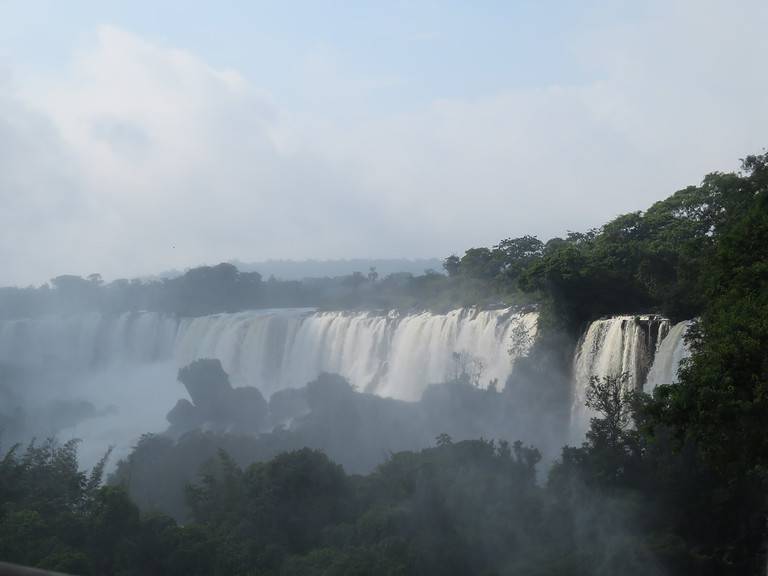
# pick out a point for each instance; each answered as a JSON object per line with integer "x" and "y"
{"x": 432, "y": 49}
{"x": 141, "y": 136}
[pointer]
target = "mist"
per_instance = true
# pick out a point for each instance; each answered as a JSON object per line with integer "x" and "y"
{"x": 149, "y": 153}
{"x": 414, "y": 289}
{"x": 165, "y": 375}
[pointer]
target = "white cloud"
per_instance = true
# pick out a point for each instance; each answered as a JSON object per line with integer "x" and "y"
{"x": 144, "y": 157}
{"x": 179, "y": 163}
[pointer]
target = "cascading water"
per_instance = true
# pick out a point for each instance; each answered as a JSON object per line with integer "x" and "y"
{"x": 125, "y": 366}
{"x": 648, "y": 349}
{"x": 130, "y": 360}
{"x": 103, "y": 379}
{"x": 672, "y": 350}
{"x": 389, "y": 354}
{"x": 87, "y": 341}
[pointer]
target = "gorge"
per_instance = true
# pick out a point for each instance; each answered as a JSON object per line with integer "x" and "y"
{"x": 118, "y": 362}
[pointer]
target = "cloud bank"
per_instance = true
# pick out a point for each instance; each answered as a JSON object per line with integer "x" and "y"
{"x": 141, "y": 157}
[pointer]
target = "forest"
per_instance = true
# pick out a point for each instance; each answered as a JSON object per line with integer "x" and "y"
{"x": 669, "y": 483}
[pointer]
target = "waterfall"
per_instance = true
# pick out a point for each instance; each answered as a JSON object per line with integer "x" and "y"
{"x": 103, "y": 379}
{"x": 391, "y": 353}
{"x": 612, "y": 347}
{"x": 125, "y": 365}
{"x": 647, "y": 348}
{"x": 83, "y": 342}
{"x": 130, "y": 360}
{"x": 670, "y": 353}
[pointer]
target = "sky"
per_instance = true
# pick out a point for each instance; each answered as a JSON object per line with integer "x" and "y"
{"x": 137, "y": 137}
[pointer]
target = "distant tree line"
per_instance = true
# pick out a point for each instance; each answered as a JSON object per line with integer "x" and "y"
{"x": 223, "y": 288}
{"x": 657, "y": 260}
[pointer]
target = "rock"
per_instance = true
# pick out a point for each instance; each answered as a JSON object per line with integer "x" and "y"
{"x": 215, "y": 404}
{"x": 208, "y": 386}
{"x": 184, "y": 416}
{"x": 248, "y": 410}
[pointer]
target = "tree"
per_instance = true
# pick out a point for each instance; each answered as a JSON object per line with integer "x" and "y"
{"x": 722, "y": 398}
{"x": 516, "y": 254}
{"x": 480, "y": 263}
{"x": 612, "y": 400}
{"x": 452, "y": 265}
{"x": 355, "y": 280}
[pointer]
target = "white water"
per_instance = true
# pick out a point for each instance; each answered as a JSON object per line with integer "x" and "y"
{"x": 122, "y": 365}
{"x": 87, "y": 341}
{"x": 391, "y": 354}
{"x": 126, "y": 365}
{"x": 670, "y": 353}
{"x": 646, "y": 348}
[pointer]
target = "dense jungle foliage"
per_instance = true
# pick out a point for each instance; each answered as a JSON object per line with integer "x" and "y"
{"x": 623, "y": 503}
